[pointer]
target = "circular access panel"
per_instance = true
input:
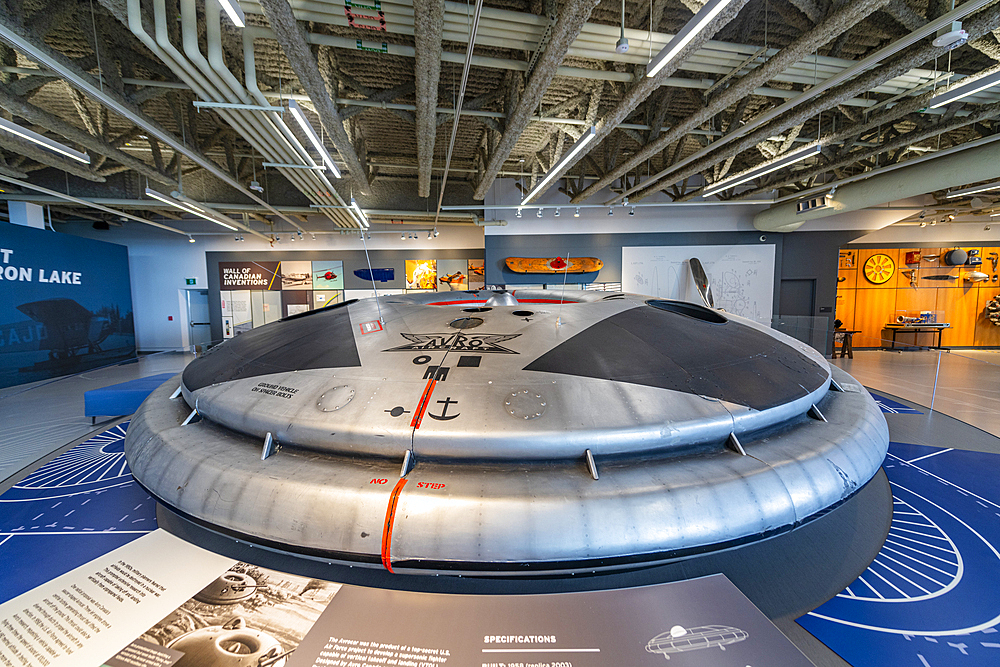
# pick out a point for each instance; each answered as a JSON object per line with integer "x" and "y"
{"x": 879, "y": 268}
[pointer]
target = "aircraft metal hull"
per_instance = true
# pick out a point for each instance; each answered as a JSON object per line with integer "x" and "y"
{"x": 504, "y": 486}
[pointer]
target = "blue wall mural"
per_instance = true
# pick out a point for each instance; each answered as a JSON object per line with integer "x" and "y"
{"x": 65, "y": 305}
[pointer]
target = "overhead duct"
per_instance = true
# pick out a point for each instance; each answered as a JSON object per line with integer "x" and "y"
{"x": 968, "y": 166}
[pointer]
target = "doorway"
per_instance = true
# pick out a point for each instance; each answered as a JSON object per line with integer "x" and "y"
{"x": 199, "y": 328}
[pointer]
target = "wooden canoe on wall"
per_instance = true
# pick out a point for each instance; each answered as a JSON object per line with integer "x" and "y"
{"x": 554, "y": 264}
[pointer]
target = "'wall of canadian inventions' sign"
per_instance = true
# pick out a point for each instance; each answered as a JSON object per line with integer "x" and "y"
{"x": 65, "y": 305}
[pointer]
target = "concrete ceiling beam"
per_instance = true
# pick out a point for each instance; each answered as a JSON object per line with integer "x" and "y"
{"x": 294, "y": 42}
{"x": 570, "y": 21}
{"x": 839, "y": 21}
{"x": 428, "y": 23}
{"x": 33, "y": 114}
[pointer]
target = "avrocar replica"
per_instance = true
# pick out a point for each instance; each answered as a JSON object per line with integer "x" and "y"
{"x": 503, "y": 434}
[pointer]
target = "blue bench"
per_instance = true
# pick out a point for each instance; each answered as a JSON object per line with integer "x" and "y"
{"x": 123, "y": 398}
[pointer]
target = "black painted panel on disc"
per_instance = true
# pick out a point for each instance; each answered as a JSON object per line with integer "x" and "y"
{"x": 324, "y": 339}
{"x": 658, "y": 348}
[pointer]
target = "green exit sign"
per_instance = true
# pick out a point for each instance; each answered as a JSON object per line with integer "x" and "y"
{"x": 190, "y": 281}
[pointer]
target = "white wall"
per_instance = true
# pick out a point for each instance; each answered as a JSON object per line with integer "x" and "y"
{"x": 692, "y": 216}
{"x": 160, "y": 261}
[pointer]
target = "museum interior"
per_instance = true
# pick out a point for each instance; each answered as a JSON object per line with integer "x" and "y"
{"x": 546, "y": 333}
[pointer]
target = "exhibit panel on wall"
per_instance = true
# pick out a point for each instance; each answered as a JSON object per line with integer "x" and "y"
{"x": 66, "y": 305}
{"x": 906, "y": 297}
{"x": 257, "y": 288}
{"x": 741, "y": 276}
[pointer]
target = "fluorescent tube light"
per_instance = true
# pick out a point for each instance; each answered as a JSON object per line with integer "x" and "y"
{"x": 43, "y": 141}
{"x": 307, "y": 127}
{"x": 995, "y": 185}
{"x": 187, "y": 207}
{"x": 766, "y": 168}
{"x": 361, "y": 215}
{"x": 961, "y": 90}
{"x": 574, "y": 150}
{"x": 697, "y": 23}
{"x": 235, "y": 12}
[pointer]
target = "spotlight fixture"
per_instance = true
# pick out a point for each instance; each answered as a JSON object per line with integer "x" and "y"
{"x": 43, "y": 141}
{"x": 975, "y": 189}
{"x": 255, "y": 185}
{"x": 362, "y": 220}
{"x": 237, "y": 239}
{"x": 436, "y": 232}
{"x": 933, "y": 222}
{"x": 697, "y": 23}
{"x": 241, "y": 238}
{"x": 631, "y": 211}
{"x": 313, "y": 237}
{"x": 986, "y": 228}
{"x": 611, "y": 210}
{"x": 307, "y": 127}
{"x": 949, "y": 217}
{"x": 190, "y": 239}
{"x": 923, "y": 224}
{"x": 518, "y": 213}
{"x": 300, "y": 234}
{"x": 186, "y": 205}
{"x": 430, "y": 235}
{"x": 574, "y": 150}
{"x": 961, "y": 90}
{"x": 577, "y": 213}
{"x": 766, "y": 168}
{"x": 557, "y": 213}
{"x": 402, "y": 237}
{"x": 235, "y": 13}
{"x": 538, "y": 213}
{"x": 923, "y": 214}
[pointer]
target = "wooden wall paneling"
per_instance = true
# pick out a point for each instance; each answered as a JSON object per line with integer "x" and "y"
{"x": 847, "y": 279}
{"x": 959, "y": 305}
{"x": 845, "y": 307}
{"x": 912, "y": 300}
{"x": 873, "y": 309}
{"x": 987, "y": 333}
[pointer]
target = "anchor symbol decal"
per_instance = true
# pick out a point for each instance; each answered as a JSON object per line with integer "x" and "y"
{"x": 444, "y": 416}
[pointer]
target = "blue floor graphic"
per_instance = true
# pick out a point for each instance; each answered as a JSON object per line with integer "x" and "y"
{"x": 932, "y": 596}
{"x": 79, "y": 506}
{"x": 893, "y": 407}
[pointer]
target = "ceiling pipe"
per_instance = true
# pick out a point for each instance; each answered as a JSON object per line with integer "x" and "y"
{"x": 83, "y": 202}
{"x": 250, "y": 76}
{"x": 428, "y": 19}
{"x": 940, "y": 171}
{"x": 840, "y": 20}
{"x": 292, "y": 38}
{"x": 851, "y": 88}
{"x": 46, "y": 57}
{"x": 314, "y": 186}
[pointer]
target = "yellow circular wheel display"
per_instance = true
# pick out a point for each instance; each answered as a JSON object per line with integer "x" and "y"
{"x": 879, "y": 268}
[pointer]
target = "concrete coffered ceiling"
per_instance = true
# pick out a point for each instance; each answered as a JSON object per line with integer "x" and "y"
{"x": 172, "y": 94}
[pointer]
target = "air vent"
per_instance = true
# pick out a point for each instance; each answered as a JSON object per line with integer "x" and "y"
{"x": 813, "y": 203}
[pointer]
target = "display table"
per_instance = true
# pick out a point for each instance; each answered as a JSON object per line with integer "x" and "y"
{"x": 847, "y": 345}
{"x": 917, "y": 329}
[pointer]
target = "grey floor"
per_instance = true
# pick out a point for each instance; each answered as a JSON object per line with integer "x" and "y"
{"x": 38, "y": 418}
{"x": 966, "y": 384}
